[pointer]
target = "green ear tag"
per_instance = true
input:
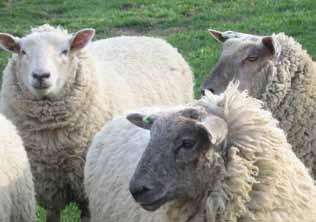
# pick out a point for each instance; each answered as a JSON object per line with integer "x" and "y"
{"x": 146, "y": 119}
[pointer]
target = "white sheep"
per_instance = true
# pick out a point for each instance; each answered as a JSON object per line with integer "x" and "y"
{"x": 111, "y": 161}
{"x": 17, "y": 196}
{"x": 277, "y": 70}
{"x": 223, "y": 159}
{"x": 59, "y": 91}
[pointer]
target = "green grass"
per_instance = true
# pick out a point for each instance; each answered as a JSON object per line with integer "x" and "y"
{"x": 182, "y": 22}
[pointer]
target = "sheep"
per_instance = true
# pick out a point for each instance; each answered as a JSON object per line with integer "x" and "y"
{"x": 17, "y": 196}
{"x": 278, "y": 71}
{"x": 111, "y": 161}
{"x": 59, "y": 89}
{"x": 224, "y": 158}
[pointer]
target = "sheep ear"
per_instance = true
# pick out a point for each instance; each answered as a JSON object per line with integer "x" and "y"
{"x": 9, "y": 43}
{"x": 272, "y": 44}
{"x": 215, "y": 128}
{"x": 223, "y": 36}
{"x": 140, "y": 120}
{"x": 217, "y": 35}
{"x": 81, "y": 39}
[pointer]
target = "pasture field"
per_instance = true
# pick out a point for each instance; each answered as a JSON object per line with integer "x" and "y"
{"x": 183, "y": 23}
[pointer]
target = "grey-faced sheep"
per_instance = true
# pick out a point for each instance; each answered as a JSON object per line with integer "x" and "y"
{"x": 223, "y": 159}
{"x": 278, "y": 71}
{"x": 59, "y": 90}
{"x": 17, "y": 196}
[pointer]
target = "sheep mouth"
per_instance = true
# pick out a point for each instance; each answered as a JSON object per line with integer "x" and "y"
{"x": 41, "y": 86}
{"x": 152, "y": 206}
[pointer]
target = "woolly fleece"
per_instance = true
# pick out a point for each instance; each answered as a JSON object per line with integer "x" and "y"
{"x": 291, "y": 96}
{"x": 262, "y": 179}
{"x": 112, "y": 76}
{"x": 17, "y": 196}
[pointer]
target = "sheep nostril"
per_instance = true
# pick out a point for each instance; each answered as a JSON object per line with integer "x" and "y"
{"x": 138, "y": 191}
{"x": 40, "y": 76}
{"x": 45, "y": 75}
{"x": 211, "y": 90}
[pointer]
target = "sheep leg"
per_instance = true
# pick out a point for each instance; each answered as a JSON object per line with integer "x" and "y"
{"x": 85, "y": 213}
{"x": 51, "y": 195}
{"x": 81, "y": 201}
{"x": 53, "y": 215}
{"x": 54, "y": 210}
{"x": 75, "y": 188}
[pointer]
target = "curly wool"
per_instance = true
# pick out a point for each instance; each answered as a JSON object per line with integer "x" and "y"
{"x": 258, "y": 177}
{"x": 47, "y": 28}
{"x": 264, "y": 181}
{"x": 112, "y": 76}
{"x": 291, "y": 96}
{"x": 17, "y": 196}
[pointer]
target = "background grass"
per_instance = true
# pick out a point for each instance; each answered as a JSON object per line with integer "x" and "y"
{"x": 182, "y": 22}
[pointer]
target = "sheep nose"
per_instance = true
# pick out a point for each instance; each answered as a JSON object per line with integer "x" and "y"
{"x": 203, "y": 91}
{"x": 40, "y": 76}
{"x": 138, "y": 190}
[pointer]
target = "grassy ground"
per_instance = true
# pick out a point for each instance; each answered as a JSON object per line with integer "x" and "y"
{"x": 182, "y": 22}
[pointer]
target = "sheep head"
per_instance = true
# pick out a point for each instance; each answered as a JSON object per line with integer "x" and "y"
{"x": 246, "y": 58}
{"x": 45, "y": 58}
{"x": 178, "y": 162}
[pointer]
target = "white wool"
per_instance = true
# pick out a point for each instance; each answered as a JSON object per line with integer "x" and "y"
{"x": 107, "y": 78}
{"x": 47, "y": 28}
{"x": 263, "y": 180}
{"x": 17, "y": 196}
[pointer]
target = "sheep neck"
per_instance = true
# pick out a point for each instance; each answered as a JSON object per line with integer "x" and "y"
{"x": 206, "y": 207}
{"x": 187, "y": 211}
{"x": 291, "y": 95}
{"x": 290, "y": 70}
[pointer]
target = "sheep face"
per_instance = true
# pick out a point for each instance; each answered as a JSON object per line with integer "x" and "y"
{"x": 173, "y": 165}
{"x": 46, "y": 60}
{"x": 246, "y": 58}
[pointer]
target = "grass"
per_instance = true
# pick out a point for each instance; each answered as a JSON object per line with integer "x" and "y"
{"x": 182, "y": 22}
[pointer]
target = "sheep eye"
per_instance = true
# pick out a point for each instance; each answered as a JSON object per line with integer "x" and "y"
{"x": 252, "y": 58}
{"x": 23, "y": 52}
{"x": 187, "y": 144}
{"x": 64, "y": 52}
